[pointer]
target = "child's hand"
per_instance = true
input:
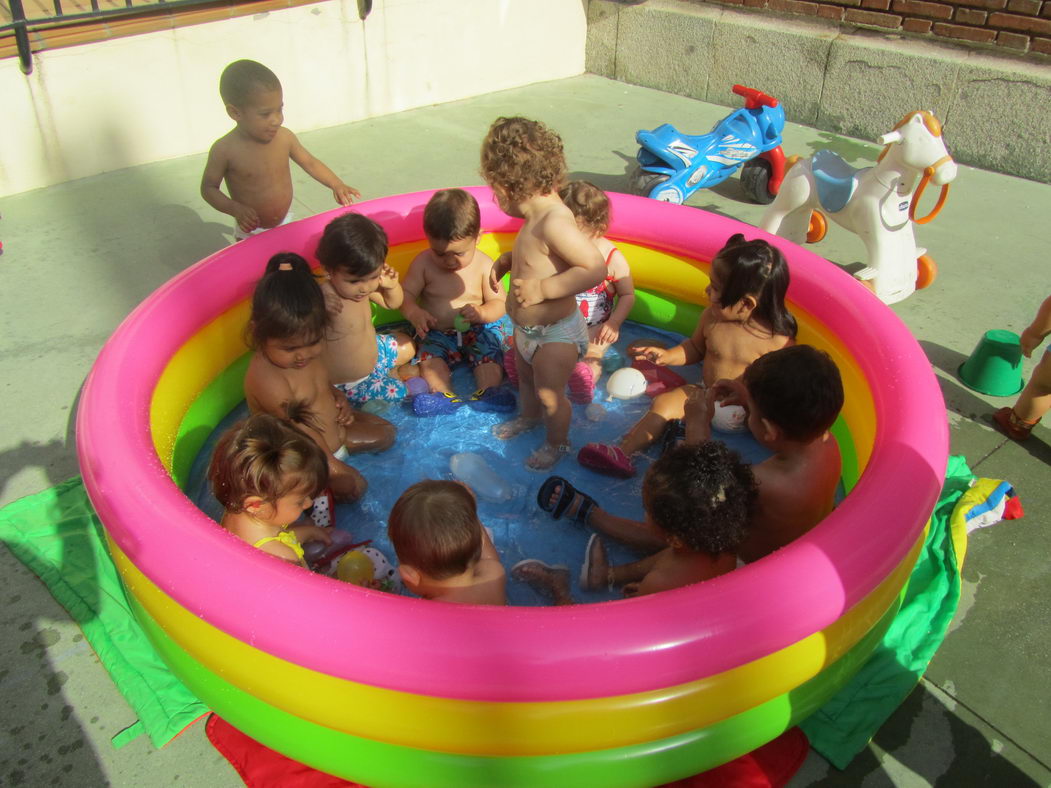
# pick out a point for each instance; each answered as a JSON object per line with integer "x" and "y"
{"x": 608, "y": 334}
{"x": 247, "y": 218}
{"x": 500, "y": 267}
{"x": 471, "y": 314}
{"x": 527, "y": 291}
{"x": 388, "y": 278}
{"x": 631, "y": 589}
{"x": 333, "y": 303}
{"x": 312, "y": 533}
{"x": 423, "y": 321}
{"x": 729, "y": 392}
{"x": 655, "y": 355}
{"x": 1030, "y": 341}
{"x": 345, "y": 195}
{"x": 344, "y": 413}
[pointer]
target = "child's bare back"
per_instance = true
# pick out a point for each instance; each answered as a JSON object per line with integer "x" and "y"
{"x": 796, "y": 491}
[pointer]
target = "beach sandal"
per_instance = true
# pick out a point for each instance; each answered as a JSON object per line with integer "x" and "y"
{"x": 435, "y": 403}
{"x": 1007, "y": 421}
{"x": 547, "y": 580}
{"x": 581, "y": 384}
{"x": 594, "y": 553}
{"x": 610, "y": 460}
{"x": 565, "y": 500}
{"x": 494, "y": 399}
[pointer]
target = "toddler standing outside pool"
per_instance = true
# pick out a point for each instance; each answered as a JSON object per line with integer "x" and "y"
{"x": 458, "y": 313}
{"x": 1018, "y": 421}
{"x": 551, "y": 261}
{"x": 364, "y": 365}
{"x": 253, "y": 157}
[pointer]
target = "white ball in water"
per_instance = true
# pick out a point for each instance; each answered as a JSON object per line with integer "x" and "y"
{"x": 729, "y": 418}
{"x": 626, "y": 383}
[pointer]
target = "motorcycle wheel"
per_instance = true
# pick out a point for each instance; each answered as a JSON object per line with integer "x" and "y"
{"x": 642, "y": 181}
{"x": 755, "y": 181}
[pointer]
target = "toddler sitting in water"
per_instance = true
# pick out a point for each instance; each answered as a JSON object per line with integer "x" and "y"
{"x": 364, "y": 365}
{"x": 286, "y": 378}
{"x": 266, "y": 473}
{"x": 458, "y": 314}
{"x": 698, "y": 502}
{"x": 746, "y": 318}
{"x": 444, "y": 552}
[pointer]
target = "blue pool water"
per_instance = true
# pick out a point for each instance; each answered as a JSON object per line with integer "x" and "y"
{"x": 520, "y": 529}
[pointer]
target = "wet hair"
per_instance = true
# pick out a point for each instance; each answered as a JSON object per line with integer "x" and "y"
{"x": 242, "y": 78}
{"x": 703, "y": 494}
{"x": 588, "y": 203}
{"x": 352, "y": 243}
{"x": 434, "y": 527}
{"x": 757, "y": 269}
{"x": 798, "y": 388}
{"x": 522, "y": 158}
{"x": 267, "y": 457}
{"x": 451, "y": 215}
{"x": 287, "y": 303}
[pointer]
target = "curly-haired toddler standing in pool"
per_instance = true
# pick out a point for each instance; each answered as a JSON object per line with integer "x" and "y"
{"x": 551, "y": 261}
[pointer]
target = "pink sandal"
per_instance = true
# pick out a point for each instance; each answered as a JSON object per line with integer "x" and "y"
{"x": 610, "y": 460}
{"x": 581, "y": 384}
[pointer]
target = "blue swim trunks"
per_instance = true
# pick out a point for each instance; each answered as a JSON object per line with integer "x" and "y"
{"x": 379, "y": 384}
{"x": 481, "y": 343}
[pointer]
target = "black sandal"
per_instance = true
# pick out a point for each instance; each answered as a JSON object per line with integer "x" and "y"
{"x": 565, "y": 500}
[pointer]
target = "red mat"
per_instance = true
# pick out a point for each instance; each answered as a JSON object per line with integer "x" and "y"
{"x": 770, "y": 766}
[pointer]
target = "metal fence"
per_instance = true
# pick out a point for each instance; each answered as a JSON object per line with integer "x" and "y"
{"x": 40, "y": 16}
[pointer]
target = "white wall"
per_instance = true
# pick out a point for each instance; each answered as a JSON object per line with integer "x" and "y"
{"x": 100, "y": 107}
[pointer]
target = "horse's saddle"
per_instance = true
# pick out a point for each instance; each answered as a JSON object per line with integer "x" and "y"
{"x": 835, "y": 179}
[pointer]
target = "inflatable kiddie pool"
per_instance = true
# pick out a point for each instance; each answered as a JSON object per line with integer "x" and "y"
{"x": 392, "y": 691}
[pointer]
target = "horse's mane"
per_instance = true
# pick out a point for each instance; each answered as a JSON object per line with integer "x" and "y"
{"x": 933, "y": 125}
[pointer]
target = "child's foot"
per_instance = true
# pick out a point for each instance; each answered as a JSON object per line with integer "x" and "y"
{"x": 549, "y": 581}
{"x": 562, "y": 499}
{"x": 581, "y": 384}
{"x": 435, "y": 403}
{"x": 610, "y": 460}
{"x": 594, "y": 574}
{"x": 495, "y": 399}
{"x": 1013, "y": 427}
{"x": 546, "y": 456}
{"x": 515, "y": 427}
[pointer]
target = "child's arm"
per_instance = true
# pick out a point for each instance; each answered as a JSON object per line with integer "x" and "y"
{"x": 389, "y": 293}
{"x": 586, "y": 266}
{"x": 317, "y": 170}
{"x": 697, "y": 415}
{"x": 625, "y": 290}
{"x": 494, "y": 301}
{"x": 415, "y": 281}
{"x": 214, "y": 172}
{"x": 689, "y": 351}
{"x": 1035, "y": 332}
{"x": 308, "y": 532}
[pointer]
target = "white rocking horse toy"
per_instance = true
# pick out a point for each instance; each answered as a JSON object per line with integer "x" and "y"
{"x": 877, "y": 203}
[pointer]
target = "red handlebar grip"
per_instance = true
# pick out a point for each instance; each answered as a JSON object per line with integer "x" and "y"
{"x": 754, "y": 98}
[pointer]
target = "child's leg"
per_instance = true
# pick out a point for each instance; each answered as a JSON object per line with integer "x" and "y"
{"x": 552, "y": 365}
{"x": 551, "y": 581}
{"x": 488, "y": 374}
{"x": 368, "y": 432}
{"x": 529, "y": 406}
{"x": 598, "y": 574}
{"x": 346, "y": 483}
{"x": 437, "y": 374}
{"x": 1035, "y": 399}
{"x": 406, "y": 353}
{"x": 596, "y": 351}
{"x": 666, "y": 406}
{"x": 632, "y": 533}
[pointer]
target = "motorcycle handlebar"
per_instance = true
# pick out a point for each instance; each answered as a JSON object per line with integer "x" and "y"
{"x": 753, "y": 99}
